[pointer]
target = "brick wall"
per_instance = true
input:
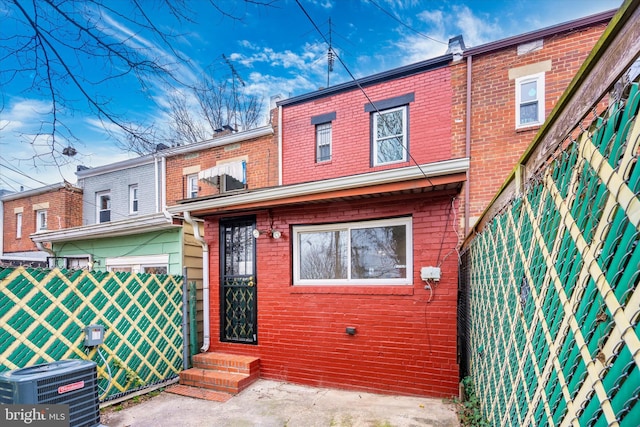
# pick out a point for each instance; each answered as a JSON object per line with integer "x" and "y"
{"x": 404, "y": 344}
{"x": 260, "y": 154}
{"x": 64, "y": 210}
{"x": 496, "y": 146}
{"x": 429, "y": 128}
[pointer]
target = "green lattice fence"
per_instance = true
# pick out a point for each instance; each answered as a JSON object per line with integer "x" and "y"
{"x": 553, "y": 285}
{"x": 43, "y": 314}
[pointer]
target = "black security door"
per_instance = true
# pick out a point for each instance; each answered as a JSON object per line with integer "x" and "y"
{"x": 238, "y": 291}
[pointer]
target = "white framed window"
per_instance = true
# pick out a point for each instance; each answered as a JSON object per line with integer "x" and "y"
{"x": 192, "y": 186}
{"x": 103, "y": 202}
{"x": 530, "y": 100}
{"x": 41, "y": 220}
{"x": 390, "y": 142}
{"x": 153, "y": 264}
{"x": 378, "y": 252}
{"x": 323, "y": 142}
{"x": 19, "y": 225}
{"x": 133, "y": 199}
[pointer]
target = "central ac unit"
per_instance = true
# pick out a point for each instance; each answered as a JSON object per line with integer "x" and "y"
{"x": 65, "y": 382}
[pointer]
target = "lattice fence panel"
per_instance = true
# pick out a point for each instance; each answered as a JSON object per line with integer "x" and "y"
{"x": 43, "y": 314}
{"x": 554, "y": 301}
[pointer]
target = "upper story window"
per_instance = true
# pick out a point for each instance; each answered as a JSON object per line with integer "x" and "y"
{"x": 356, "y": 253}
{"x": 530, "y": 100}
{"x": 323, "y": 142}
{"x": 390, "y": 136}
{"x": 323, "y": 135}
{"x": 41, "y": 220}
{"x": 133, "y": 199}
{"x": 192, "y": 186}
{"x": 103, "y": 202}
{"x": 390, "y": 129}
{"x": 18, "y": 225}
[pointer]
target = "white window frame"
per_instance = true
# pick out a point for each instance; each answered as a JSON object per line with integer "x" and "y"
{"x": 137, "y": 264}
{"x": 99, "y": 209}
{"x": 520, "y": 81}
{"x": 41, "y": 220}
{"x": 405, "y": 136}
{"x": 192, "y": 182}
{"x": 300, "y": 229}
{"x": 19, "y": 225}
{"x": 134, "y": 204}
{"x": 324, "y": 136}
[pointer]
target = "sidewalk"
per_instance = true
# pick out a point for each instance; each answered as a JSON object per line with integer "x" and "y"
{"x": 276, "y": 404}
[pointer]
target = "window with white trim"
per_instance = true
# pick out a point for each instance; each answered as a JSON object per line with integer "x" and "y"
{"x": 41, "y": 220}
{"x": 133, "y": 199}
{"x": 18, "y": 225}
{"x": 152, "y": 264}
{"x": 530, "y": 100}
{"x": 378, "y": 252}
{"x": 103, "y": 203}
{"x": 192, "y": 186}
{"x": 390, "y": 136}
{"x": 323, "y": 142}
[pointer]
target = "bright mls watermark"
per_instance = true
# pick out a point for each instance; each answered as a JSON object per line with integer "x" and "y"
{"x": 34, "y": 415}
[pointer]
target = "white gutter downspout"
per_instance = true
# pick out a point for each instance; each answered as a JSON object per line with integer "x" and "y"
{"x": 41, "y": 247}
{"x": 280, "y": 145}
{"x": 467, "y": 149}
{"x": 205, "y": 281}
{"x": 155, "y": 173}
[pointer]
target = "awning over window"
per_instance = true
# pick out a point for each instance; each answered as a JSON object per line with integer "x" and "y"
{"x": 236, "y": 170}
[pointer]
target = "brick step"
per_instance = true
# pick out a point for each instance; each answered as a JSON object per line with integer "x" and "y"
{"x": 227, "y": 363}
{"x": 220, "y": 372}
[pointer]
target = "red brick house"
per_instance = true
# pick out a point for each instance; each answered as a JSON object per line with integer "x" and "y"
{"x": 52, "y": 207}
{"x": 345, "y": 275}
{"x": 320, "y": 277}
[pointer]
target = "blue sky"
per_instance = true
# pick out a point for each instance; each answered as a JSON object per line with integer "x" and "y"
{"x": 274, "y": 49}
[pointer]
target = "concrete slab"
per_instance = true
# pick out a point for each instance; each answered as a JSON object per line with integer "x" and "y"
{"x": 276, "y": 404}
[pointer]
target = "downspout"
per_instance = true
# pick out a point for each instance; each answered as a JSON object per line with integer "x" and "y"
{"x": 155, "y": 172}
{"x": 205, "y": 281}
{"x": 467, "y": 149}
{"x": 41, "y": 247}
{"x": 279, "y": 145}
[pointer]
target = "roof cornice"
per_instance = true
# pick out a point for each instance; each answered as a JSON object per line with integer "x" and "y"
{"x": 576, "y": 24}
{"x": 396, "y": 73}
{"x": 117, "y": 166}
{"x": 218, "y": 142}
{"x": 40, "y": 190}
{"x": 447, "y": 167}
{"x": 135, "y": 225}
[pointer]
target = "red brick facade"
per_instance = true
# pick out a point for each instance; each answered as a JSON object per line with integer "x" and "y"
{"x": 496, "y": 144}
{"x": 429, "y": 128}
{"x": 404, "y": 343}
{"x": 64, "y": 210}
{"x": 260, "y": 155}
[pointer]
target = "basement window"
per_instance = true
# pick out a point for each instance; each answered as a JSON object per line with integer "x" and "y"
{"x": 357, "y": 253}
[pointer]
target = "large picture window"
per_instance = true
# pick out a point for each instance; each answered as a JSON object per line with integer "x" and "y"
{"x": 390, "y": 136}
{"x": 358, "y": 253}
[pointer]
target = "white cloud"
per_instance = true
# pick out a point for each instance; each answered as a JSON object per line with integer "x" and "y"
{"x": 476, "y": 30}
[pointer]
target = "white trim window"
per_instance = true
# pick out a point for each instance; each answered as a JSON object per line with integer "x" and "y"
{"x": 151, "y": 264}
{"x": 192, "y": 186}
{"x": 41, "y": 220}
{"x": 133, "y": 199}
{"x": 530, "y": 100}
{"x": 323, "y": 142}
{"x": 376, "y": 252}
{"x": 103, "y": 203}
{"x": 19, "y": 225}
{"x": 390, "y": 136}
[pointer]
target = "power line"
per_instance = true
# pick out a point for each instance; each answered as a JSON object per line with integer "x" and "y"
{"x": 392, "y": 16}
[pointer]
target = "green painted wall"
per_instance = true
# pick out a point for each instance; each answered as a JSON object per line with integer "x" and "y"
{"x": 153, "y": 243}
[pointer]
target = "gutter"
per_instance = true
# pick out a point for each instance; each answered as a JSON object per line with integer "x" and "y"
{"x": 41, "y": 247}
{"x": 205, "y": 281}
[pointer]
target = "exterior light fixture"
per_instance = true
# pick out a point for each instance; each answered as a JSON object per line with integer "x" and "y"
{"x": 275, "y": 234}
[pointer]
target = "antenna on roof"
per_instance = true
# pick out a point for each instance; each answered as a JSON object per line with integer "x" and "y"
{"x": 330, "y": 55}
{"x": 235, "y": 75}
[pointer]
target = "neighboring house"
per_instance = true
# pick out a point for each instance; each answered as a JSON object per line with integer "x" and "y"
{"x": 52, "y": 207}
{"x": 346, "y": 274}
{"x": 320, "y": 277}
{"x": 507, "y": 88}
